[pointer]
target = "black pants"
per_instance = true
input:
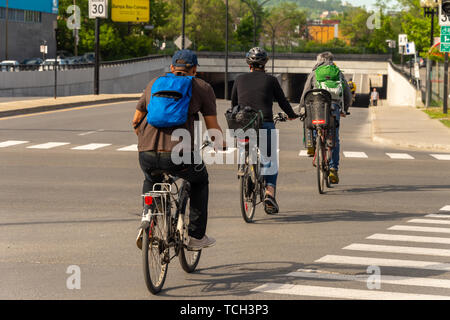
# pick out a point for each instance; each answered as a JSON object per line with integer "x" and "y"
{"x": 196, "y": 175}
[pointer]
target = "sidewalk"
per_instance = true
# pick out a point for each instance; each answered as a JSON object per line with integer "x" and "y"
{"x": 24, "y": 106}
{"x": 408, "y": 127}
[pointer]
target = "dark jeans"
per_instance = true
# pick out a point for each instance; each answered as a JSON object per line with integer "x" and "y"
{"x": 196, "y": 175}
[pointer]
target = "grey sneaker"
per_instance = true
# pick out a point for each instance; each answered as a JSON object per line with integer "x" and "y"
{"x": 199, "y": 244}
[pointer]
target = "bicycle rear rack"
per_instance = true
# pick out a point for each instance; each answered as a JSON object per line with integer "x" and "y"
{"x": 160, "y": 199}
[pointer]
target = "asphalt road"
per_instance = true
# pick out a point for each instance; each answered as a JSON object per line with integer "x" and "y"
{"x": 63, "y": 207}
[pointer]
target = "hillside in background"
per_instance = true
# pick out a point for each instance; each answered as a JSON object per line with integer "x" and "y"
{"x": 314, "y": 6}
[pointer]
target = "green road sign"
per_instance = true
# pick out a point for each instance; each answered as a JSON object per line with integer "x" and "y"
{"x": 445, "y": 39}
{"x": 445, "y": 47}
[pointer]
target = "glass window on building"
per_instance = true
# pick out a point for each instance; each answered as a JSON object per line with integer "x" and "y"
{"x": 2, "y": 13}
{"x": 12, "y": 14}
{"x": 20, "y": 15}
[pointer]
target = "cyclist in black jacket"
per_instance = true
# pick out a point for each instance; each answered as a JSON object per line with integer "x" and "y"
{"x": 258, "y": 90}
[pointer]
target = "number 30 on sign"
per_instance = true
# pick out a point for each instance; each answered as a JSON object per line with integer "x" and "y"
{"x": 98, "y": 9}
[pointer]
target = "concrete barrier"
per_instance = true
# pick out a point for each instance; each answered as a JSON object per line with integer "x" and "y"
{"x": 114, "y": 79}
{"x": 400, "y": 91}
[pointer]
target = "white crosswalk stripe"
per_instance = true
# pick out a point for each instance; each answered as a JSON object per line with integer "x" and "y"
{"x": 133, "y": 147}
{"x": 420, "y": 229}
{"x": 385, "y": 279}
{"x": 429, "y": 221}
{"x": 403, "y": 156}
{"x": 352, "y": 154}
{"x": 331, "y": 283}
{"x": 441, "y": 156}
{"x": 341, "y": 293}
{"x": 11, "y": 143}
{"x": 399, "y": 237}
{"x": 48, "y": 145}
{"x": 92, "y": 146}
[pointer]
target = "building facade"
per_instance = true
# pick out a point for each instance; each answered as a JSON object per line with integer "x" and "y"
{"x": 25, "y": 25}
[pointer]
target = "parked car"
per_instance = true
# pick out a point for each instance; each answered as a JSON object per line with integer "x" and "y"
{"x": 89, "y": 57}
{"x": 64, "y": 54}
{"x": 419, "y": 60}
{"x": 9, "y": 65}
{"x": 76, "y": 60}
{"x": 32, "y": 61}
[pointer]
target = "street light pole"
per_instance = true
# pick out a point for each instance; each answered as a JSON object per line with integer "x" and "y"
{"x": 255, "y": 17}
{"x": 226, "y": 52}
{"x": 430, "y": 9}
{"x": 6, "y": 32}
{"x": 183, "y": 20}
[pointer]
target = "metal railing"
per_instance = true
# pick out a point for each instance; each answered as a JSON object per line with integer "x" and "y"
{"x": 77, "y": 66}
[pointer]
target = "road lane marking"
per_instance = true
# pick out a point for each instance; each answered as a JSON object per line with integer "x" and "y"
{"x": 398, "y": 249}
{"x": 420, "y": 229}
{"x": 133, "y": 147}
{"x": 403, "y": 156}
{"x": 441, "y": 156}
{"x": 384, "y": 279}
{"x": 341, "y": 293}
{"x": 10, "y": 143}
{"x": 92, "y": 146}
{"x": 303, "y": 153}
{"x": 381, "y": 262}
{"x": 429, "y": 221}
{"x": 442, "y": 216}
{"x": 48, "y": 145}
{"x": 398, "y": 237}
{"x": 351, "y": 154}
{"x": 446, "y": 208}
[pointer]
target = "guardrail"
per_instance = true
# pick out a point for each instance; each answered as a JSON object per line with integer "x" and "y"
{"x": 65, "y": 67}
{"x": 406, "y": 74}
{"x": 299, "y": 56}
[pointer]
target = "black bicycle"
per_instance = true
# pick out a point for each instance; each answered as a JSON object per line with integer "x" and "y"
{"x": 321, "y": 120}
{"x": 252, "y": 184}
{"x": 165, "y": 230}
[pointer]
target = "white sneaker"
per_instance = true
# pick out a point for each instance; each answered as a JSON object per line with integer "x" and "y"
{"x": 199, "y": 244}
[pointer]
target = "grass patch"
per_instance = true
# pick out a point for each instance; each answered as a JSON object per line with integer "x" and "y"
{"x": 436, "y": 113}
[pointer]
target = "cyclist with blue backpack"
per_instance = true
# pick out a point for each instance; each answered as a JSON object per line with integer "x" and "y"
{"x": 326, "y": 75}
{"x": 172, "y": 102}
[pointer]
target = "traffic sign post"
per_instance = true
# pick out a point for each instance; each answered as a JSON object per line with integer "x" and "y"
{"x": 98, "y": 9}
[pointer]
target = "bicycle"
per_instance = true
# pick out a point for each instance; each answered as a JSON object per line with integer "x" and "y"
{"x": 164, "y": 224}
{"x": 321, "y": 119}
{"x": 252, "y": 183}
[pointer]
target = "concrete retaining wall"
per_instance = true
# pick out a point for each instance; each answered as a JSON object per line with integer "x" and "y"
{"x": 123, "y": 78}
{"x": 400, "y": 92}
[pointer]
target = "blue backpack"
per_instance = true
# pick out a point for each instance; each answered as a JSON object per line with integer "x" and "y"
{"x": 169, "y": 102}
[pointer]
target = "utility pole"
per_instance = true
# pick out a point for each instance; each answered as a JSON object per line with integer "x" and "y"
{"x": 183, "y": 21}
{"x": 97, "y": 57}
{"x": 226, "y": 52}
{"x": 446, "y": 83}
{"x": 6, "y": 32}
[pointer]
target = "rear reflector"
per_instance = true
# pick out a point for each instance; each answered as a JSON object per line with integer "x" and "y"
{"x": 318, "y": 121}
{"x": 244, "y": 140}
{"x": 148, "y": 200}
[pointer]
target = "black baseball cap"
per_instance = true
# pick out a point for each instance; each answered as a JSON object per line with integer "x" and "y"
{"x": 188, "y": 56}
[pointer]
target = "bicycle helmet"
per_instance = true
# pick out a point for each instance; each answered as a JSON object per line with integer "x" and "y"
{"x": 257, "y": 57}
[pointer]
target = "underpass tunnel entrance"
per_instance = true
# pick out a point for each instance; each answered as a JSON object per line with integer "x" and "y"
{"x": 291, "y": 83}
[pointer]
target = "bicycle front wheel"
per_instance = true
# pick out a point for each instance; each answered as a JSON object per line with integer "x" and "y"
{"x": 248, "y": 194}
{"x": 155, "y": 253}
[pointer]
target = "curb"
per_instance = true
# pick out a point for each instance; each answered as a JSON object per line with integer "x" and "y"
{"x": 400, "y": 144}
{"x": 66, "y": 105}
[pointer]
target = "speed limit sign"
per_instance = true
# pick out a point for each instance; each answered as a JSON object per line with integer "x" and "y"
{"x": 98, "y": 9}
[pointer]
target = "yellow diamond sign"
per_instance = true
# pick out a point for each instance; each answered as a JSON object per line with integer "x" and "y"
{"x": 130, "y": 10}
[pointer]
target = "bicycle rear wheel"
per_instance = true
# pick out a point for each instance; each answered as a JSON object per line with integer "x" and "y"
{"x": 155, "y": 253}
{"x": 320, "y": 166}
{"x": 189, "y": 259}
{"x": 248, "y": 193}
